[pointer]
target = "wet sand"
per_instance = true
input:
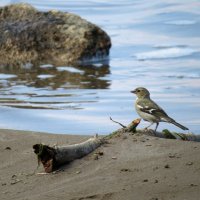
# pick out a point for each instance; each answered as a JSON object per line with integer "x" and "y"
{"x": 131, "y": 168}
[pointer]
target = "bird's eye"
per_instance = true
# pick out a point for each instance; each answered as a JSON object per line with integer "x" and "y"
{"x": 138, "y": 90}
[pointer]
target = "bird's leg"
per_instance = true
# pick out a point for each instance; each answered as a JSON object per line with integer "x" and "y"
{"x": 149, "y": 126}
{"x": 156, "y": 126}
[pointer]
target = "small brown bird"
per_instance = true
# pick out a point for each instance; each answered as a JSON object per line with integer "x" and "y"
{"x": 149, "y": 111}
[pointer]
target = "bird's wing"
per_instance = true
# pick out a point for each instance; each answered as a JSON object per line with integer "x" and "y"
{"x": 150, "y": 107}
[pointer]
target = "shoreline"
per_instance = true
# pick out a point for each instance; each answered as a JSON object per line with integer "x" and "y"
{"x": 131, "y": 167}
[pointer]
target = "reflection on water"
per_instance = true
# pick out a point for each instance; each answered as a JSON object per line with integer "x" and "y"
{"x": 27, "y": 80}
{"x": 154, "y": 44}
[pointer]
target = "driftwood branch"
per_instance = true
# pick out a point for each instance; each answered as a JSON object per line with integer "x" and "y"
{"x": 53, "y": 157}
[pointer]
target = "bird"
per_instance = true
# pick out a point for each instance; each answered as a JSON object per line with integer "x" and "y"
{"x": 149, "y": 111}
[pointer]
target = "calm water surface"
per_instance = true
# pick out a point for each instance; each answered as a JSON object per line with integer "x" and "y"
{"x": 156, "y": 44}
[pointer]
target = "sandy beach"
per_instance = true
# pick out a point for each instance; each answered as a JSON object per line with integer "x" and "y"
{"x": 131, "y": 168}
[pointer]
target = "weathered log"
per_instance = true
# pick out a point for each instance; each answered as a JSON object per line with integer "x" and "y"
{"x": 53, "y": 157}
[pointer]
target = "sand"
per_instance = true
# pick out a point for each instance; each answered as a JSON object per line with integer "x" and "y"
{"x": 131, "y": 168}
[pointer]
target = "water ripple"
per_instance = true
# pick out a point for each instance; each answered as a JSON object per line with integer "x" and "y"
{"x": 171, "y": 52}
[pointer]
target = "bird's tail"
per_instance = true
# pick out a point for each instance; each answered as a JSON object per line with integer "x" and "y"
{"x": 179, "y": 125}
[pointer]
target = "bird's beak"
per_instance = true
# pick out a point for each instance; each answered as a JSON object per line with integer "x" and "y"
{"x": 133, "y": 91}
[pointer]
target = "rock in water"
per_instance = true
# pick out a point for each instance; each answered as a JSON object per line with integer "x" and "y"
{"x": 28, "y": 35}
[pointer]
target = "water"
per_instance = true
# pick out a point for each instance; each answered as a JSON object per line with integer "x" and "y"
{"x": 155, "y": 44}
